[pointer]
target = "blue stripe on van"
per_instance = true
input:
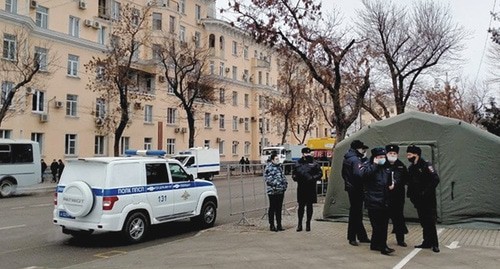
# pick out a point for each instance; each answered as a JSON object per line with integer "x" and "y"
{"x": 143, "y": 189}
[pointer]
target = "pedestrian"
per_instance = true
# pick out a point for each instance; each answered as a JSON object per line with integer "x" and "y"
{"x": 53, "y": 169}
{"x": 44, "y": 167}
{"x": 306, "y": 172}
{"x": 60, "y": 168}
{"x": 276, "y": 186}
{"x": 399, "y": 174}
{"x": 353, "y": 159}
{"x": 242, "y": 164}
{"x": 422, "y": 183}
{"x": 247, "y": 164}
{"x": 377, "y": 179}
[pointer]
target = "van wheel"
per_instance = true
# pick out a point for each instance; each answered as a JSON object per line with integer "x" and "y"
{"x": 136, "y": 227}
{"x": 7, "y": 188}
{"x": 209, "y": 177}
{"x": 207, "y": 216}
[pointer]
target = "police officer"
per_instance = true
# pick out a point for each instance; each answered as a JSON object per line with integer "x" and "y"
{"x": 353, "y": 159}
{"x": 377, "y": 179}
{"x": 399, "y": 175}
{"x": 306, "y": 172}
{"x": 422, "y": 184}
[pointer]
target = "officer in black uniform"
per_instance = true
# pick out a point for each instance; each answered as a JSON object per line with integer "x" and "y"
{"x": 399, "y": 175}
{"x": 353, "y": 160}
{"x": 423, "y": 180}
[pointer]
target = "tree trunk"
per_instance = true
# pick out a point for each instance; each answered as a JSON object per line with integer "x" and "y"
{"x": 190, "y": 119}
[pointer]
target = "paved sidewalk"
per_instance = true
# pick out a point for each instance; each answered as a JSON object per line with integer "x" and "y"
{"x": 231, "y": 246}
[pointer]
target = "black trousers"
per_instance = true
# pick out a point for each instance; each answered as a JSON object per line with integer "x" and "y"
{"x": 396, "y": 214}
{"x": 379, "y": 219}
{"x": 355, "y": 228}
{"x": 275, "y": 206}
{"x": 301, "y": 209}
{"x": 427, "y": 216}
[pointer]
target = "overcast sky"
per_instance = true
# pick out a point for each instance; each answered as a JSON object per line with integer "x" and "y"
{"x": 474, "y": 15}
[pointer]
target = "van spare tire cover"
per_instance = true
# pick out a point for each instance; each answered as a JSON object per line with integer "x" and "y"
{"x": 77, "y": 199}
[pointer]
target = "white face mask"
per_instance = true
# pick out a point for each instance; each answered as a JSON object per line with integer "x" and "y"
{"x": 392, "y": 158}
{"x": 381, "y": 161}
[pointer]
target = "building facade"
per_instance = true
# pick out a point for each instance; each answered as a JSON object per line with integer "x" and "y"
{"x": 58, "y": 110}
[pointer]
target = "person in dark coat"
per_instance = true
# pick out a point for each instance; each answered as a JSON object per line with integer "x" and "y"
{"x": 53, "y": 169}
{"x": 247, "y": 164}
{"x": 44, "y": 167}
{"x": 377, "y": 179}
{"x": 276, "y": 186}
{"x": 60, "y": 168}
{"x": 422, "y": 183}
{"x": 242, "y": 164}
{"x": 353, "y": 159}
{"x": 397, "y": 195}
{"x": 306, "y": 172}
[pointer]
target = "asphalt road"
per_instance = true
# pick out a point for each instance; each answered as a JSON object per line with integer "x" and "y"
{"x": 28, "y": 238}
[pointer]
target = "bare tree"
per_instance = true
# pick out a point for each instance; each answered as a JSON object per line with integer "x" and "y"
{"x": 119, "y": 79}
{"x": 21, "y": 66}
{"x": 306, "y": 119}
{"x": 185, "y": 69}
{"x": 410, "y": 41}
{"x": 299, "y": 27}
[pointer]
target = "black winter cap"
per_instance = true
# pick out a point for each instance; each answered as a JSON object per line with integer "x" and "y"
{"x": 392, "y": 147}
{"x": 357, "y": 144}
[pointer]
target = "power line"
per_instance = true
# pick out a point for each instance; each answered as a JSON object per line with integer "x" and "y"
{"x": 485, "y": 43}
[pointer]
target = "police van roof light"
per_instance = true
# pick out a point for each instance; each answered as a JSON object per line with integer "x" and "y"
{"x": 143, "y": 152}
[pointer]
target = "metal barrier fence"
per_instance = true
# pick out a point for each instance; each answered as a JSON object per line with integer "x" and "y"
{"x": 247, "y": 190}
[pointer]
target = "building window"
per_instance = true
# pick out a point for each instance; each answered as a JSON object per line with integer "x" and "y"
{"x": 148, "y": 143}
{"x": 234, "y": 147}
{"x": 171, "y": 24}
{"x": 235, "y": 123}
{"x": 235, "y": 48}
{"x": 268, "y": 125}
{"x": 71, "y": 102}
{"x": 101, "y": 35}
{"x": 170, "y": 146}
{"x": 41, "y": 58}
{"x": 221, "y": 147}
{"x": 235, "y": 98}
{"x": 124, "y": 144}
{"x": 197, "y": 12}
{"x": 99, "y": 145}
{"x": 148, "y": 114}
{"x": 267, "y": 79}
{"x": 260, "y": 77}
{"x": 157, "y": 21}
{"x": 70, "y": 144}
{"x": 246, "y": 149}
{"x": 9, "y": 47}
{"x": 38, "y": 137}
{"x": 73, "y": 65}
{"x": 5, "y": 134}
{"x": 221, "y": 122}
{"x": 261, "y": 102}
{"x": 245, "y": 75}
{"x": 182, "y": 33}
{"x": 221, "y": 69}
{"x": 42, "y": 17}
{"x": 222, "y": 96}
{"x": 207, "y": 120}
{"x": 211, "y": 41}
{"x": 212, "y": 67}
{"x": 245, "y": 52}
{"x": 247, "y": 125}
{"x": 171, "y": 115}
{"x": 222, "y": 44}
{"x": 247, "y": 100}
{"x": 156, "y": 52}
{"x": 11, "y": 6}
{"x": 235, "y": 73}
{"x": 197, "y": 38}
{"x": 170, "y": 88}
{"x": 7, "y": 86}
{"x": 74, "y": 26}
{"x": 100, "y": 108}
{"x": 38, "y": 101}
{"x": 116, "y": 8}
{"x": 135, "y": 16}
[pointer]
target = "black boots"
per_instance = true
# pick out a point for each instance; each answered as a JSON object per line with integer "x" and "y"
{"x": 299, "y": 227}
{"x": 272, "y": 228}
{"x": 308, "y": 226}
{"x": 401, "y": 240}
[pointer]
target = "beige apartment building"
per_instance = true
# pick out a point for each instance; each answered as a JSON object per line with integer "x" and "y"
{"x": 63, "y": 115}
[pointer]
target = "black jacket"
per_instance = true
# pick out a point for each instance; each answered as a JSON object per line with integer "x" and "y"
{"x": 400, "y": 176}
{"x": 350, "y": 170}
{"x": 422, "y": 183}
{"x": 376, "y": 179}
{"x": 306, "y": 172}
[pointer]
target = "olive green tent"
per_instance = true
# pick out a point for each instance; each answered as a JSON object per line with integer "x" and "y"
{"x": 465, "y": 157}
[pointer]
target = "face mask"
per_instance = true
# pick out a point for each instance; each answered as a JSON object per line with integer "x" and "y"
{"x": 381, "y": 161}
{"x": 412, "y": 159}
{"x": 392, "y": 159}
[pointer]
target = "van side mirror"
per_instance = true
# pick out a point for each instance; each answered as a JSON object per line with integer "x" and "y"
{"x": 190, "y": 177}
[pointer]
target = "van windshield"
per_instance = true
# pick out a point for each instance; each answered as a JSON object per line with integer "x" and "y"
{"x": 181, "y": 159}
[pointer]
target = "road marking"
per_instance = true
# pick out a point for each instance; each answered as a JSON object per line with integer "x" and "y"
{"x": 40, "y": 205}
{"x": 412, "y": 254}
{"x": 453, "y": 245}
{"x": 109, "y": 254}
{"x": 12, "y": 227}
{"x": 19, "y": 207}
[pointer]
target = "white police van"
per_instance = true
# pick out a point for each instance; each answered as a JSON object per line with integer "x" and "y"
{"x": 129, "y": 194}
